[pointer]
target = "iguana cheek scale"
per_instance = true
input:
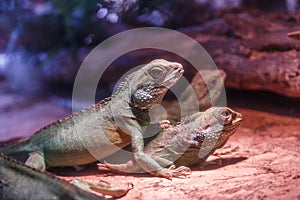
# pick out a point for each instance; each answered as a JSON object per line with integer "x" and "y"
{"x": 102, "y": 129}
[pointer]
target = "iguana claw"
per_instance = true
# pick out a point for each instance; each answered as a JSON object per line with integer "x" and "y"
{"x": 103, "y": 167}
{"x": 172, "y": 171}
{"x": 129, "y": 167}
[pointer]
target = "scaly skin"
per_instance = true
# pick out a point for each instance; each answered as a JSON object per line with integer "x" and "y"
{"x": 18, "y": 181}
{"x": 104, "y": 128}
{"x": 188, "y": 143}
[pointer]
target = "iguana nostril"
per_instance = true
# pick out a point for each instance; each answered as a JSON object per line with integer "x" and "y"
{"x": 177, "y": 66}
{"x": 239, "y": 115}
{"x": 236, "y": 115}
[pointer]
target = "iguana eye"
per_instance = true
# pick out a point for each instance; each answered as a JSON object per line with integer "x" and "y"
{"x": 225, "y": 115}
{"x": 156, "y": 72}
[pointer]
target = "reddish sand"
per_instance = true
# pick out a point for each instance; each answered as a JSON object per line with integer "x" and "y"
{"x": 261, "y": 161}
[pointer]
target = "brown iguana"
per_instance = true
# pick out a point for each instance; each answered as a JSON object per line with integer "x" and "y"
{"x": 188, "y": 143}
{"x": 104, "y": 128}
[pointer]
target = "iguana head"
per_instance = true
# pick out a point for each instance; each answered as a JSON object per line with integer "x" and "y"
{"x": 151, "y": 82}
{"x": 206, "y": 132}
{"x": 218, "y": 124}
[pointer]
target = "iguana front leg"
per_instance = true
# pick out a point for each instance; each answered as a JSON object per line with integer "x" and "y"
{"x": 36, "y": 160}
{"x": 153, "y": 165}
{"x": 146, "y": 162}
{"x": 131, "y": 167}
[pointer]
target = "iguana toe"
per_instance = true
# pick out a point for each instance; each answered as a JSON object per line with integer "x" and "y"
{"x": 129, "y": 167}
{"x": 172, "y": 171}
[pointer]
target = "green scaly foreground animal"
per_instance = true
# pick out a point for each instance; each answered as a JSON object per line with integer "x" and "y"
{"x": 106, "y": 127}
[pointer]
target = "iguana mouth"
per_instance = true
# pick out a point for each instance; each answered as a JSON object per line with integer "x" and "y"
{"x": 230, "y": 129}
{"x": 173, "y": 77}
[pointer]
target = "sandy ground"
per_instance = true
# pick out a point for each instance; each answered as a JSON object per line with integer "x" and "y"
{"x": 261, "y": 161}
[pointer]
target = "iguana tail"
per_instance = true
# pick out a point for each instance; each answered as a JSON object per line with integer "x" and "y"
{"x": 17, "y": 148}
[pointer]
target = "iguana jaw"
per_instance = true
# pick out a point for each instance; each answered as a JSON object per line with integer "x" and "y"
{"x": 231, "y": 127}
{"x": 147, "y": 95}
{"x": 174, "y": 75}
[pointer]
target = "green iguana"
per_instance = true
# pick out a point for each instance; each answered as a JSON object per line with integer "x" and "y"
{"x": 18, "y": 181}
{"x": 188, "y": 143}
{"x": 106, "y": 127}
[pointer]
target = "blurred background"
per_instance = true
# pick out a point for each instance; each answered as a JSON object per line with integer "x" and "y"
{"x": 43, "y": 43}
